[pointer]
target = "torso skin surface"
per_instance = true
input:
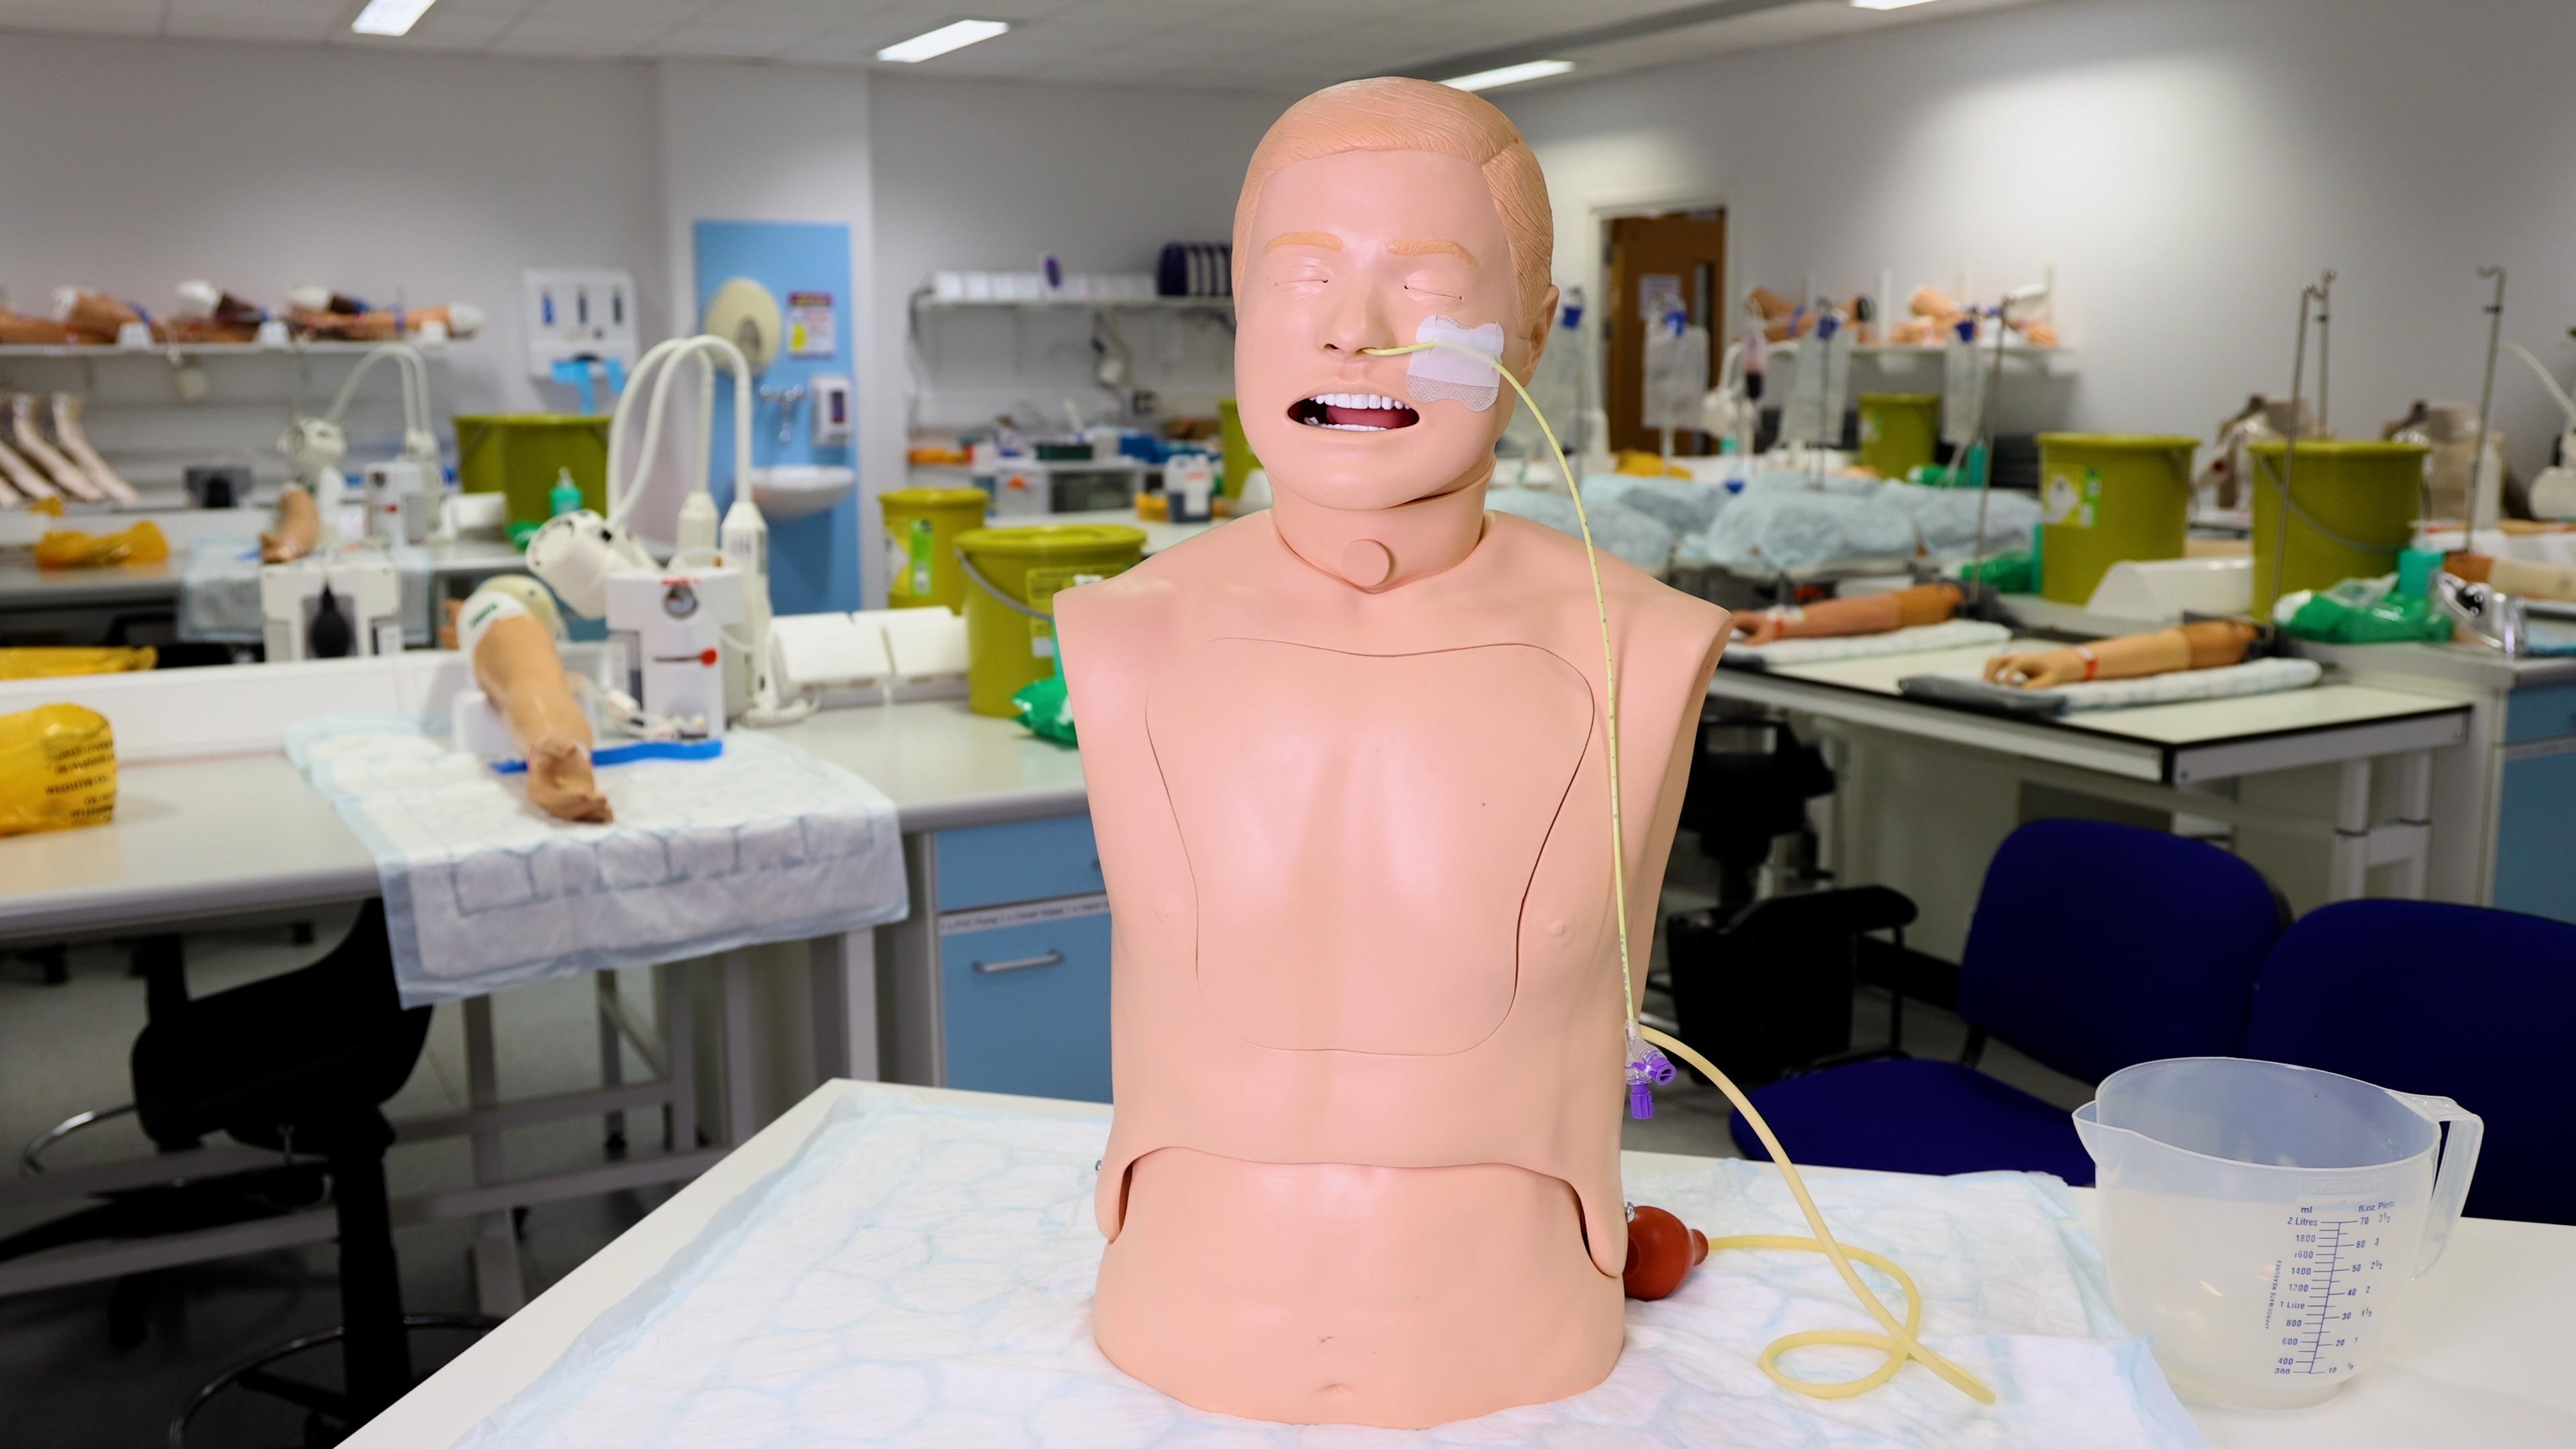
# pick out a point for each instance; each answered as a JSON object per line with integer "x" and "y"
{"x": 1366, "y": 1009}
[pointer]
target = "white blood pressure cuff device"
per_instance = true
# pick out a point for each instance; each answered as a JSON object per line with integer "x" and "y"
{"x": 1437, "y": 374}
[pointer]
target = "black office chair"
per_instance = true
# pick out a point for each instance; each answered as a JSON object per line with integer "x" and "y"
{"x": 2094, "y": 946}
{"x": 302, "y": 1064}
{"x": 1749, "y": 785}
{"x": 1766, "y": 989}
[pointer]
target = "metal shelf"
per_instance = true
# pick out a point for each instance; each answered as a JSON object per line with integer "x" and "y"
{"x": 1166, "y": 304}
{"x": 88, "y": 352}
{"x": 2055, "y": 361}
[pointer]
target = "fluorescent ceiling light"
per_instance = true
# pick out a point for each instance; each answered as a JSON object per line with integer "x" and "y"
{"x": 943, "y": 40}
{"x": 1504, "y": 75}
{"x": 389, "y": 17}
{"x": 1886, "y": 4}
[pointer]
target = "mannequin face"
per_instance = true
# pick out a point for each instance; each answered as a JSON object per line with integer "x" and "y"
{"x": 1353, "y": 251}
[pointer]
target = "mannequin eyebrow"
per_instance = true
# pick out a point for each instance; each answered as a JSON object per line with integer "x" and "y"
{"x": 1323, "y": 239}
{"x": 1431, "y": 246}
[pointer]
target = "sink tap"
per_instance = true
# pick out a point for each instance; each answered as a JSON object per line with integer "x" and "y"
{"x": 787, "y": 398}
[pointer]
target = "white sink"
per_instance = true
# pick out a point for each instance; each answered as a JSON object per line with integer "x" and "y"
{"x": 793, "y": 490}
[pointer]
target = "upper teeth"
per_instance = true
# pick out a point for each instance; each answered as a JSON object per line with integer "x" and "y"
{"x": 1357, "y": 400}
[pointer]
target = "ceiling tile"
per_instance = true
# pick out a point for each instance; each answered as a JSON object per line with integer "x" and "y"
{"x": 74, "y": 17}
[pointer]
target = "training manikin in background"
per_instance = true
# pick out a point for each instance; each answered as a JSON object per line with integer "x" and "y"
{"x": 1346, "y": 767}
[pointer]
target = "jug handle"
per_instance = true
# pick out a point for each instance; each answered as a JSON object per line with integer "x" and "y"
{"x": 2451, "y": 1181}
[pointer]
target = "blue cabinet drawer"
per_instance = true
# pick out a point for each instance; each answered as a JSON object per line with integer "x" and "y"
{"x": 1025, "y": 1007}
{"x": 2539, "y": 714}
{"x": 987, "y": 865}
{"x": 2535, "y": 859}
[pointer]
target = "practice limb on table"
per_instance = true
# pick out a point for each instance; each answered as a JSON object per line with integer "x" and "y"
{"x": 2476, "y": 1364}
{"x": 2259, "y": 763}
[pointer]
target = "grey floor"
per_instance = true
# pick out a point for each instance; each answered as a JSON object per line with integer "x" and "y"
{"x": 63, "y": 1049}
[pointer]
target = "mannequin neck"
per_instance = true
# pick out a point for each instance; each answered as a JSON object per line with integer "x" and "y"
{"x": 1377, "y": 549}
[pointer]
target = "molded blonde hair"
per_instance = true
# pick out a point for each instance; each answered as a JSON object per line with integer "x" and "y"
{"x": 1391, "y": 113}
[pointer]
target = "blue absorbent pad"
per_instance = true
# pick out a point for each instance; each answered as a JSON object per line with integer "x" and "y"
{"x": 762, "y": 843}
{"x": 921, "y": 1274}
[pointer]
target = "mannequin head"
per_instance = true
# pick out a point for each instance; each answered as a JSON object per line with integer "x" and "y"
{"x": 1369, "y": 207}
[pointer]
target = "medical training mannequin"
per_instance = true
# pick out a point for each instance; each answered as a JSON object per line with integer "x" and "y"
{"x": 298, "y": 527}
{"x": 1347, "y": 772}
{"x": 1922, "y": 604}
{"x": 2209, "y": 644}
{"x": 506, "y": 630}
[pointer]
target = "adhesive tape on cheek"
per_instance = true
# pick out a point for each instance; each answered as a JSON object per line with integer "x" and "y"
{"x": 1437, "y": 374}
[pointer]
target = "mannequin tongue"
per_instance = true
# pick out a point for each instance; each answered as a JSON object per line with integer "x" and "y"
{"x": 1367, "y": 417}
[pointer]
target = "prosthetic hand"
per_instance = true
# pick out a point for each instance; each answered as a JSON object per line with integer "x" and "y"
{"x": 299, "y": 526}
{"x": 2518, "y": 577}
{"x": 1661, "y": 1253}
{"x": 1873, "y": 614}
{"x": 512, "y": 651}
{"x": 2210, "y": 644}
{"x": 19, "y": 329}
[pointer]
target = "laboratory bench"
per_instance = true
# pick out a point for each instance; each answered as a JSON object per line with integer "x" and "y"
{"x": 2439, "y": 770}
{"x": 983, "y": 804}
{"x": 2477, "y": 1362}
{"x": 82, "y": 605}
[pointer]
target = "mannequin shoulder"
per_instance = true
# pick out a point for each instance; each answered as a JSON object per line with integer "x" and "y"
{"x": 1642, "y": 605}
{"x": 1144, "y": 601}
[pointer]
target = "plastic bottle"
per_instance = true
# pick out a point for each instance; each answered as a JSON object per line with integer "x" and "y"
{"x": 566, "y": 497}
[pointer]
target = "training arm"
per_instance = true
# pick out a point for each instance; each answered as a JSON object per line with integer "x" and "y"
{"x": 516, "y": 667}
{"x": 299, "y": 527}
{"x": 2210, "y": 644}
{"x": 1870, "y": 614}
{"x": 2518, "y": 577}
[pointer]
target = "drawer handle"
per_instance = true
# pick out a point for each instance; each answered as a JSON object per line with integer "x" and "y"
{"x": 1024, "y": 963}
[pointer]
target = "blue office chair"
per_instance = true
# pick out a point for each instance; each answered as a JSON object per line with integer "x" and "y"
{"x": 2093, "y": 946}
{"x": 2456, "y": 1001}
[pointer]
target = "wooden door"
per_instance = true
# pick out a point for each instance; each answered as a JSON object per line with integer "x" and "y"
{"x": 1679, "y": 254}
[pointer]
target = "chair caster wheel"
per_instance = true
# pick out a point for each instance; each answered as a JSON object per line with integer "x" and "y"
{"x": 615, "y": 1144}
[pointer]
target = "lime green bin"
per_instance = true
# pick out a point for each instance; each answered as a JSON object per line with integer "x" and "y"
{"x": 521, "y": 454}
{"x": 921, "y": 529}
{"x": 2109, "y": 497}
{"x": 1899, "y": 431}
{"x": 1012, "y": 577}
{"x": 2352, "y": 511}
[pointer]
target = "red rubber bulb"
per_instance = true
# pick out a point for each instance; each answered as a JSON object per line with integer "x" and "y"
{"x": 1661, "y": 1253}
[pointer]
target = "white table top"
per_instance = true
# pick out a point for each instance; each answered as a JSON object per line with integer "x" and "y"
{"x": 2476, "y": 1363}
{"x": 2163, "y": 742}
{"x": 207, "y": 838}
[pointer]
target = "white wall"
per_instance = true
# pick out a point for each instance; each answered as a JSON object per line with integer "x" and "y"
{"x": 2185, "y": 164}
{"x": 988, "y": 176}
{"x": 132, "y": 164}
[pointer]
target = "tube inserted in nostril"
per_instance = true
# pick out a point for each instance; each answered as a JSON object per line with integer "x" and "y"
{"x": 1438, "y": 374}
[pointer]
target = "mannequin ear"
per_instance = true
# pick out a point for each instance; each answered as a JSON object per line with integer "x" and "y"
{"x": 1541, "y": 328}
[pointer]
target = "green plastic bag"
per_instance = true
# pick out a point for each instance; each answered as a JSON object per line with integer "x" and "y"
{"x": 1046, "y": 709}
{"x": 2009, "y": 573}
{"x": 2365, "y": 611}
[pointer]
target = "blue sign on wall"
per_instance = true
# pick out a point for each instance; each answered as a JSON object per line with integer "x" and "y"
{"x": 814, "y": 560}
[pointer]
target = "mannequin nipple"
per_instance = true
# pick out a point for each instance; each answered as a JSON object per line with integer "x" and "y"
{"x": 1366, "y": 562}
{"x": 1661, "y": 1253}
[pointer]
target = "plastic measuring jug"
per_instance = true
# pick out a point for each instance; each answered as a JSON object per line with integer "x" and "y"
{"x": 2262, "y": 1221}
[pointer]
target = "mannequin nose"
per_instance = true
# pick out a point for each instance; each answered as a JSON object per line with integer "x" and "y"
{"x": 1357, "y": 320}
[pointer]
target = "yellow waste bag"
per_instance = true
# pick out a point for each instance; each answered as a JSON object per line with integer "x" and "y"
{"x": 55, "y": 663}
{"x": 64, "y": 548}
{"x": 57, "y": 769}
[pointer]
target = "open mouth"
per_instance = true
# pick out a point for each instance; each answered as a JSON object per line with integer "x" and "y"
{"x": 1352, "y": 412}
